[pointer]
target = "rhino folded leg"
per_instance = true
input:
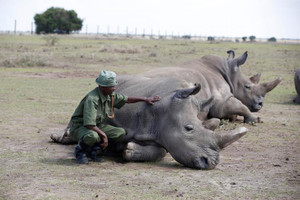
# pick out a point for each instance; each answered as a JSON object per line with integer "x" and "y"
{"x": 211, "y": 124}
{"x": 136, "y": 152}
{"x": 234, "y": 106}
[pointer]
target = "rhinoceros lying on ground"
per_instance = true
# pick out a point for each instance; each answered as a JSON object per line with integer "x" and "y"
{"x": 229, "y": 92}
{"x": 170, "y": 125}
{"x": 297, "y": 85}
{"x": 180, "y": 123}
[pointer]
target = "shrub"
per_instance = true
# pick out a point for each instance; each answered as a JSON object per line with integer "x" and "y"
{"x": 188, "y": 37}
{"x": 57, "y": 20}
{"x": 51, "y": 40}
{"x": 210, "y": 38}
{"x": 272, "y": 39}
{"x": 252, "y": 38}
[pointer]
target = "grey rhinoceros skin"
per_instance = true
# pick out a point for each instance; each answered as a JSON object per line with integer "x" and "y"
{"x": 297, "y": 85}
{"x": 194, "y": 98}
{"x": 170, "y": 125}
{"x": 225, "y": 92}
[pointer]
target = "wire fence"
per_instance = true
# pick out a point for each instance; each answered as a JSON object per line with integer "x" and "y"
{"x": 133, "y": 33}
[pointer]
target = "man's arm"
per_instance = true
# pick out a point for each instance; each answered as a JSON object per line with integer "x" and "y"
{"x": 101, "y": 135}
{"x": 149, "y": 100}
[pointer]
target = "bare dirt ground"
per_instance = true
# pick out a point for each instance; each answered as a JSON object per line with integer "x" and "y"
{"x": 262, "y": 165}
{"x": 35, "y": 102}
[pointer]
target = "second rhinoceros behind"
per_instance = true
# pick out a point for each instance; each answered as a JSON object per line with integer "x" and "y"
{"x": 225, "y": 92}
{"x": 297, "y": 85}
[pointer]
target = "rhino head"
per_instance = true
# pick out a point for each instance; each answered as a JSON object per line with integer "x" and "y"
{"x": 247, "y": 90}
{"x": 183, "y": 135}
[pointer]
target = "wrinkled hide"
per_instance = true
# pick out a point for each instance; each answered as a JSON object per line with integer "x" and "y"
{"x": 170, "y": 125}
{"x": 297, "y": 85}
{"x": 225, "y": 92}
{"x": 194, "y": 97}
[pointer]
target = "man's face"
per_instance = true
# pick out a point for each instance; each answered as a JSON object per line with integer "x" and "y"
{"x": 107, "y": 90}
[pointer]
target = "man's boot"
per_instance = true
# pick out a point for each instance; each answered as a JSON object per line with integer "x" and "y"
{"x": 94, "y": 152}
{"x": 80, "y": 153}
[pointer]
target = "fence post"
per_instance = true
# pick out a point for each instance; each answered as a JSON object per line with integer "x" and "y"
{"x": 15, "y": 27}
{"x": 31, "y": 28}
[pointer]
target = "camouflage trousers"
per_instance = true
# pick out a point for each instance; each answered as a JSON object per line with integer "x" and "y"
{"x": 90, "y": 137}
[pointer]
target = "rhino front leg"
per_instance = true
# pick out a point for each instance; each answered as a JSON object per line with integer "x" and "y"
{"x": 136, "y": 152}
{"x": 211, "y": 124}
{"x": 233, "y": 107}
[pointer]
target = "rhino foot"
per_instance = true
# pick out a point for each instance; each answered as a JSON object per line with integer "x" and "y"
{"x": 136, "y": 152}
{"x": 211, "y": 124}
{"x": 297, "y": 99}
{"x": 252, "y": 120}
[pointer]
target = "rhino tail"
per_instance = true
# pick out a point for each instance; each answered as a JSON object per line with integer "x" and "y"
{"x": 63, "y": 136}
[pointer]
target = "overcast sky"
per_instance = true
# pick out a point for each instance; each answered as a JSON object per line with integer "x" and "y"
{"x": 235, "y": 18}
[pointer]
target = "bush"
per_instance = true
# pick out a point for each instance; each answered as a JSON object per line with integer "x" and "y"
{"x": 24, "y": 62}
{"x": 57, "y": 20}
{"x": 210, "y": 38}
{"x": 272, "y": 39}
{"x": 188, "y": 37}
{"x": 244, "y": 38}
{"x": 252, "y": 38}
{"x": 51, "y": 40}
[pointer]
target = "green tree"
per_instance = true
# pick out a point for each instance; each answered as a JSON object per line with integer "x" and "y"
{"x": 252, "y": 38}
{"x": 272, "y": 39}
{"x": 244, "y": 38}
{"x": 57, "y": 20}
{"x": 210, "y": 38}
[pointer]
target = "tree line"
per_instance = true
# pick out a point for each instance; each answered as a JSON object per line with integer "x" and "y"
{"x": 61, "y": 21}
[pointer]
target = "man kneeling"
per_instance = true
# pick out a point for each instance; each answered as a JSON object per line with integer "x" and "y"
{"x": 87, "y": 121}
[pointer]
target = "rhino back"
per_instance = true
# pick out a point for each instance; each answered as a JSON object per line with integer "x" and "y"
{"x": 208, "y": 71}
{"x": 141, "y": 119}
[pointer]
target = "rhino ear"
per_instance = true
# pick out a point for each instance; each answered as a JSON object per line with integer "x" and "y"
{"x": 242, "y": 59}
{"x": 184, "y": 93}
{"x": 255, "y": 79}
{"x": 230, "y": 55}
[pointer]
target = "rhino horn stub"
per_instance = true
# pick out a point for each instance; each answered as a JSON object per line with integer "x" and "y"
{"x": 267, "y": 87}
{"x": 255, "y": 79}
{"x": 225, "y": 139}
{"x": 231, "y": 55}
{"x": 184, "y": 93}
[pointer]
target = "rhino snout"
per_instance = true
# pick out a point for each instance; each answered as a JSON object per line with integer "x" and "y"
{"x": 203, "y": 163}
{"x": 257, "y": 105}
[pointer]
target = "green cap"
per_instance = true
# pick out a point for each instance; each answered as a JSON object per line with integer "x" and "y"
{"x": 107, "y": 79}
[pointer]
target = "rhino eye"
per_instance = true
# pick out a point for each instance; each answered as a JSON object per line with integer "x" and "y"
{"x": 247, "y": 86}
{"x": 189, "y": 127}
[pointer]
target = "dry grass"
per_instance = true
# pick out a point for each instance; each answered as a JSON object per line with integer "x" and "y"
{"x": 41, "y": 85}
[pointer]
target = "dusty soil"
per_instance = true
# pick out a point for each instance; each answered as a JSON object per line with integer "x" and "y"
{"x": 36, "y": 101}
{"x": 264, "y": 164}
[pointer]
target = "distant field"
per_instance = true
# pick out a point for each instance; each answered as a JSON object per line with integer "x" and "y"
{"x": 41, "y": 85}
